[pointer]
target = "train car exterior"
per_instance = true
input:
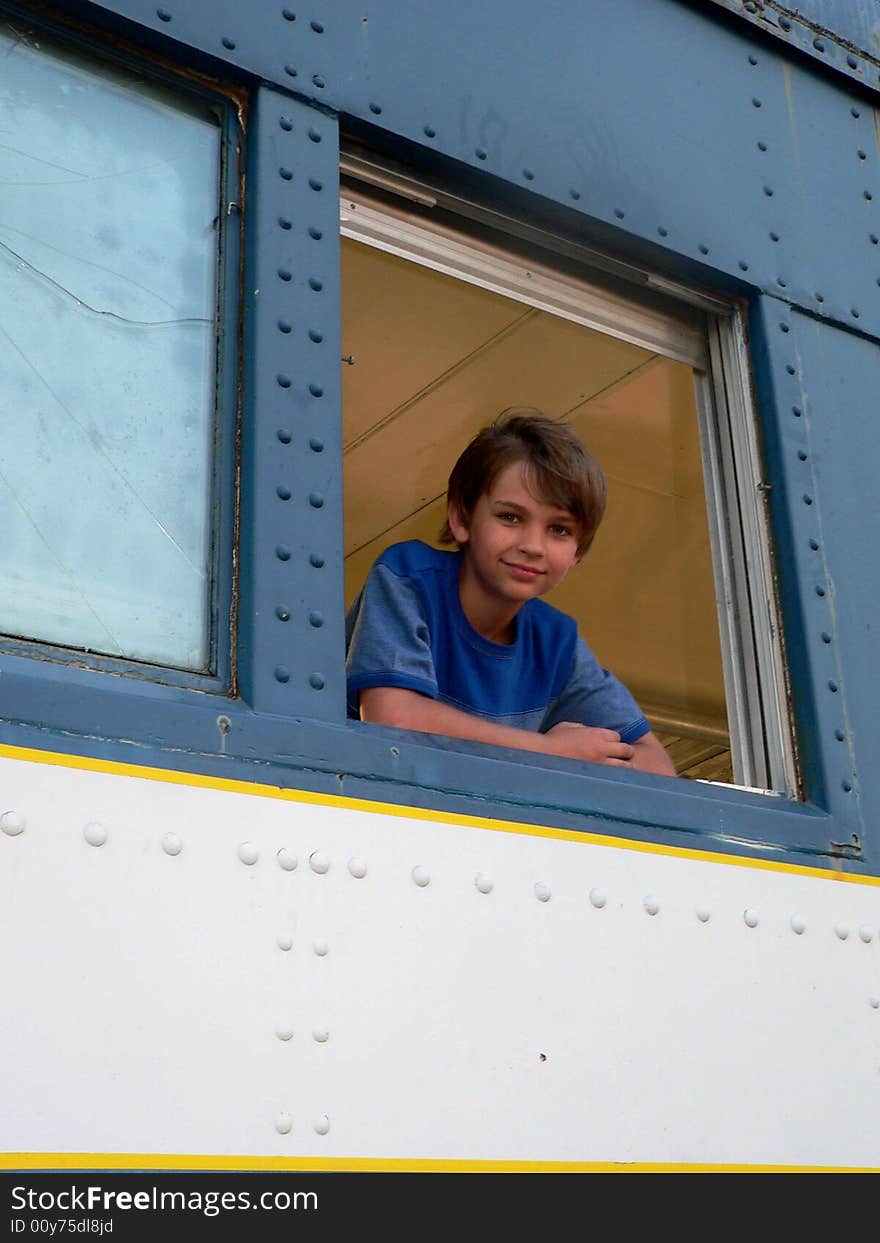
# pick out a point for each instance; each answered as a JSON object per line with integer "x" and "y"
{"x": 264, "y": 269}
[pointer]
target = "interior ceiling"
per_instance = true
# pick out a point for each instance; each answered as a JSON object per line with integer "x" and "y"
{"x": 436, "y": 359}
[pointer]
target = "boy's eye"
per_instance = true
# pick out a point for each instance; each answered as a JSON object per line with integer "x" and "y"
{"x": 559, "y": 528}
{"x": 508, "y": 516}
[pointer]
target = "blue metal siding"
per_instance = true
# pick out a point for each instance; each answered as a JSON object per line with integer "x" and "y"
{"x": 668, "y": 134}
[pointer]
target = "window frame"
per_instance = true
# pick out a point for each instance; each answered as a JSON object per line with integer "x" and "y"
{"x": 397, "y": 221}
{"x": 227, "y": 105}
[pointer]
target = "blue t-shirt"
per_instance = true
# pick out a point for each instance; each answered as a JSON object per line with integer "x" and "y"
{"x": 407, "y": 629}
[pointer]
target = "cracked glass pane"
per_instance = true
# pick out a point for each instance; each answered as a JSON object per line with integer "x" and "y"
{"x": 108, "y": 290}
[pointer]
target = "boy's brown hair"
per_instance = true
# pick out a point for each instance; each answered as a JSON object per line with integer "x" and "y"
{"x": 558, "y": 469}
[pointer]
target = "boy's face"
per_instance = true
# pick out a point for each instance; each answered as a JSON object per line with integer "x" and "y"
{"x": 516, "y": 546}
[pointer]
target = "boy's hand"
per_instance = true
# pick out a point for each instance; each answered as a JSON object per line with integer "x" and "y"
{"x": 583, "y": 742}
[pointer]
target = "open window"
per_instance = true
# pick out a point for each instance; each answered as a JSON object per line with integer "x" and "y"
{"x": 447, "y": 320}
{"x": 115, "y": 470}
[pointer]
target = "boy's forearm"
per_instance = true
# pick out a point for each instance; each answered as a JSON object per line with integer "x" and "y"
{"x": 390, "y": 705}
{"x": 650, "y": 756}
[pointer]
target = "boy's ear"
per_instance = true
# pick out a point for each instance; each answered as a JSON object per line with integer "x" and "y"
{"x": 457, "y": 526}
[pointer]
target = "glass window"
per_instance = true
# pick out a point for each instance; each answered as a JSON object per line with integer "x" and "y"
{"x": 108, "y": 282}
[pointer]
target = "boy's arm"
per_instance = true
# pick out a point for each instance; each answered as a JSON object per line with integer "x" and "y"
{"x": 403, "y": 709}
{"x": 651, "y": 756}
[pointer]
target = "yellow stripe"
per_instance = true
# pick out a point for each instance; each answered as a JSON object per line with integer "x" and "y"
{"x": 391, "y": 1165}
{"x": 197, "y": 780}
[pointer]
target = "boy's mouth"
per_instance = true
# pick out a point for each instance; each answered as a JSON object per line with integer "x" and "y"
{"x": 525, "y": 572}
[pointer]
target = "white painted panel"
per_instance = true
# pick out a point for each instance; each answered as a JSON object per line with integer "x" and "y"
{"x": 143, "y": 991}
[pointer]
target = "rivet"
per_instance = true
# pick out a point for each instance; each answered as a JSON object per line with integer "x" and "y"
{"x": 95, "y": 834}
{"x": 781, "y": 282}
{"x": 290, "y": 71}
{"x": 832, "y": 686}
{"x": 283, "y": 381}
{"x": 619, "y": 213}
{"x": 316, "y": 560}
{"x": 868, "y": 196}
{"x": 854, "y": 112}
{"x": 798, "y": 924}
{"x": 316, "y": 445}
{"x": 315, "y": 184}
{"x": 285, "y": 326}
{"x": 818, "y": 45}
{"x": 542, "y": 891}
{"x": 874, "y": 239}
{"x": 703, "y": 249}
{"x": 814, "y": 545}
{"x": 854, "y": 312}
{"x": 768, "y": 190}
{"x": 248, "y": 853}
{"x": 846, "y": 786}
{"x": 756, "y": 103}
{"x": 866, "y": 934}
{"x": 322, "y": 1124}
{"x": 784, "y": 328}
{"x": 12, "y": 823}
{"x": 321, "y": 948}
{"x": 575, "y": 194}
{"x": 284, "y": 274}
{"x": 429, "y": 131}
{"x": 785, "y": 23}
{"x": 479, "y": 153}
{"x": 790, "y": 369}
{"x": 283, "y": 1123}
{"x": 743, "y": 266}
{"x": 651, "y": 905}
{"x": 874, "y": 1003}
{"x": 283, "y": 1031}
{"x": 286, "y": 174}
{"x": 228, "y": 43}
{"x": 841, "y": 931}
{"x": 528, "y": 174}
{"x": 825, "y": 636}
{"x": 796, "y": 411}
{"x": 861, "y": 154}
{"x": 662, "y": 231}
{"x": 483, "y": 883}
{"x": 171, "y": 844}
{"x": 376, "y": 109}
{"x": 282, "y": 552}
{"x": 315, "y": 234}
{"x": 163, "y": 15}
{"x": 316, "y": 500}
{"x": 762, "y": 146}
{"x": 315, "y": 284}
{"x": 808, "y": 500}
{"x": 316, "y": 390}
{"x": 285, "y": 123}
{"x": 839, "y": 735}
{"x": 802, "y": 455}
{"x": 316, "y": 619}
{"x": 598, "y": 898}
{"x": 283, "y": 493}
{"x": 285, "y": 941}
{"x": 318, "y": 81}
{"x": 316, "y": 336}
{"x": 282, "y": 613}
{"x": 421, "y": 876}
{"x": 703, "y": 914}
{"x": 319, "y": 862}
{"x": 750, "y": 918}
{"x": 774, "y": 237}
{"x": 317, "y": 27}
{"x": 358, "y": 868}
{"x": 852, "y": 62}
{"x": 320, "y": 1034}
{"x": 395, "y": 751}
{"x": 314, "y": 136}
{"x": 753, "y": 60}
{"x": 286, "y": 859}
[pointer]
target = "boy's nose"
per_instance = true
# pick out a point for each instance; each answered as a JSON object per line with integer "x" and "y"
{"x": 530, "y": 542}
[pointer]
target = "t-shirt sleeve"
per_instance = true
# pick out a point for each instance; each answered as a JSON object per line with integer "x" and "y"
{"x": 388, "y": 638}
{"x": 593, "y": 696}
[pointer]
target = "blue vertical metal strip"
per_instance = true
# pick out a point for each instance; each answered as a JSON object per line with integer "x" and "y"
{"x": 291, "y": 650}
{"x": 814, "y": 456}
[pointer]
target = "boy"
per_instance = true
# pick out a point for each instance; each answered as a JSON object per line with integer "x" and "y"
{"x": 459, "y": 643}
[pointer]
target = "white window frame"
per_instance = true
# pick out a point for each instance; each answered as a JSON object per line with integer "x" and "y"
{"x": 709, "y": 337}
